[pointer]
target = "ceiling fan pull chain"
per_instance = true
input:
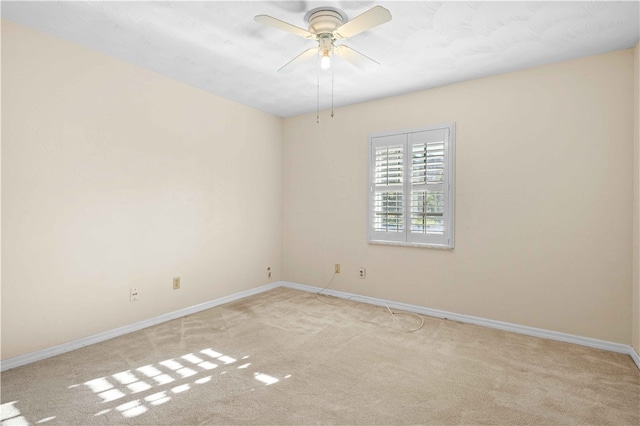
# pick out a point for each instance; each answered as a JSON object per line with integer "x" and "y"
{"x": 318, "y": 92}
{"x": 331, "y": 92}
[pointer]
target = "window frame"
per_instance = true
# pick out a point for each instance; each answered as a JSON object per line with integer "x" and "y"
{"x": 409, "y": 138}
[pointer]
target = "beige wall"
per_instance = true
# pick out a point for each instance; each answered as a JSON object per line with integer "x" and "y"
{"x": 543, "y": 207}
{"x": 636, "y": 203}
{"x": 115, "y": 177}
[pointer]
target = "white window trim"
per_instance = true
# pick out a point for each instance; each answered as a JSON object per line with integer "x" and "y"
{"x": 404, "y": 238}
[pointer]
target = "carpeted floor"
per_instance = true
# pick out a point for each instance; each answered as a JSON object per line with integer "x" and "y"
{"x": 285, "y": 357}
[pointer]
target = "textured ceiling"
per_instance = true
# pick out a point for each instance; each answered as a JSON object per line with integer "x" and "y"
{"x": 217, "y": 46}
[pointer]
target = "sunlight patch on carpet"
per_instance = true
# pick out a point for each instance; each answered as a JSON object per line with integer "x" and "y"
{"x": 10, "y": 414}
{"x": 132, "y": 409}
{"x": 265, "y": 378}
{"x": 120, "y": 384}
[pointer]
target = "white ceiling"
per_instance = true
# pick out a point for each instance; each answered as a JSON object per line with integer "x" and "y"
{"x": 217, "y": 45}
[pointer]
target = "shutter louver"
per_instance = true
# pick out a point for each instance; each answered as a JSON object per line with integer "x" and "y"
{"x": 427, "y": 210}
{"x": 389, "y": 165}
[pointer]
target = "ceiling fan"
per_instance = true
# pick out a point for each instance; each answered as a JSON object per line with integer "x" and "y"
{"x": 326, "y": 25}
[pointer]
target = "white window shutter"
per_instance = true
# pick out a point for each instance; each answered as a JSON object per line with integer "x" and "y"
{"x": 388, "y": 166}
{"x": 411, "y": 187}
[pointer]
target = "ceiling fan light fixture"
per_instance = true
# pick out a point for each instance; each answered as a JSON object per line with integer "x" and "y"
{"x": 325, "y": 61}
{"x": 325, "y": 47}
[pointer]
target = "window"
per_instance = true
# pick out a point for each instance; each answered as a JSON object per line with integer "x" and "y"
{"x": 411, "y": 187}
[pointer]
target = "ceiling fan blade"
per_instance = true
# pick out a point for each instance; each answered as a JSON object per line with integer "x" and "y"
{"x": 292, "y": 64}
{"x": 371, "y": 18}
{"x": 356, "y": 58}
{"x": 284, "y": 26}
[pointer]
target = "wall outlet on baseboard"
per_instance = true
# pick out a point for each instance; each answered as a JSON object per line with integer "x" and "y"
{"x": 269, "y": 271}
{"x": 362, "y": 273}
{"x": 133, "y": 295}
{"x": 336, "y": 268}
{"x": 176, "y": 283}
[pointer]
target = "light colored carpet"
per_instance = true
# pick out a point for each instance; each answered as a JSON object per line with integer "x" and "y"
{"x": 284, "y": 357}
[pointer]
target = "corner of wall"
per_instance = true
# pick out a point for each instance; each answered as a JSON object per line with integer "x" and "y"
{"x": 1, "y": 24}
{"x": 635, "y": 338}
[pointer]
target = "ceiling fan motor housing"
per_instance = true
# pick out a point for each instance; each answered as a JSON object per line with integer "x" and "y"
{"x": 324, "y": 20}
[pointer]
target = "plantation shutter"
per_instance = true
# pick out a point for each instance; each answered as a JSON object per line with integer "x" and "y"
{"x": 428, "y": 187}
{"x": 388, "y": 165}
{"x": 411, "y": 187}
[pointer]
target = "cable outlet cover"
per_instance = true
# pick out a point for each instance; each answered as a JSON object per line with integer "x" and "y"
{"x": 133, "y": 295}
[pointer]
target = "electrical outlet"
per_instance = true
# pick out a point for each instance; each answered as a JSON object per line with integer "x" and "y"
{"x": 336, "y": 268}
{"x": 269, "y": 271}
{"x": 176, "y": 283}
{"x": 133, "y": 295}
{"x": 362, "y": 273}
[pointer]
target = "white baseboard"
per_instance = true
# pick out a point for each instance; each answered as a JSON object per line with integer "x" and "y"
{"x": 100, "y": 337}
{"x": 515, "y": 328}
{"x": 530, "y": 331}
